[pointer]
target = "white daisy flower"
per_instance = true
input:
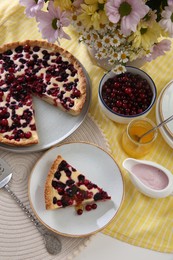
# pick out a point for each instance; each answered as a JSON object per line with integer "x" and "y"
{"x": 104, "y": 52}
{"x": 98, "y": 44}
{"x": 112, "y": 62}
{"x": 94, "y": 35}
{"x": 115, "y": 55}
{"x": 99, "y": 55}
{"x": 118, "y": 69}
{"x": 115, "y": 41}
{"x": 106, "y": 41}
{"x": 124, "y": 56}
{"x": 111, "y": 26}
{"x": 88, "y": 38}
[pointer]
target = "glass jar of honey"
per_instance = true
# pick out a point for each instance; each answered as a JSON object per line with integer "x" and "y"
{"x": 132, "y": 144}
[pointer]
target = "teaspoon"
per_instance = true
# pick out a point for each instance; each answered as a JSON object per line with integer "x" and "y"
{"x": 154, "y": 128}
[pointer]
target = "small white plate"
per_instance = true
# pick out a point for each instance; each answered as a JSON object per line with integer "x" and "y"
{"x": 165, "y": 134}
{"x": 99, "y": 167}
{"x": 166, "y": 106}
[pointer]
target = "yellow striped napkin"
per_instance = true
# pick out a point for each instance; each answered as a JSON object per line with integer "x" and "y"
{"x": 141, "y": 221}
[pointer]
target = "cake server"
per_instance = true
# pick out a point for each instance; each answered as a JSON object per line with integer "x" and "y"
{"x": 52, "y": 242}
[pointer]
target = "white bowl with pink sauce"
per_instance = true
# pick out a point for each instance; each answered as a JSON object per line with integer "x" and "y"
{"x": 150, "y": 178}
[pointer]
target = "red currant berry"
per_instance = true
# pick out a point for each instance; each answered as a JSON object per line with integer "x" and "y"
{"x": 59, "y": 203}
{"x": 88, "y": 207}
{"x": 94, "y": 206}
{"x": 4, "y": 122}
{"x": 128, "y": 90}
{"x": 79, "y": 211}
{"x": 28, "y": 135}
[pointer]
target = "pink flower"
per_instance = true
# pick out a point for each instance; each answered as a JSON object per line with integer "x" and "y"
{"x": 159, "y": 49}
{"x": 170, "y": 2}
{"x": 166, "y": 22}
{"x": 32, "y": 6}
{"x": 51, "y": 23}
{"x": 127, "y": 12}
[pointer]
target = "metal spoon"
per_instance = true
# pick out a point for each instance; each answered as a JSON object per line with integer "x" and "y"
{"x": 154, "y": 128}
{"x": 52, "y": 243}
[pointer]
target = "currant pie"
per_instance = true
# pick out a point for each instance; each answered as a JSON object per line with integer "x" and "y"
{"x": 66, "y": 186}
{"x": 41, "y": 69}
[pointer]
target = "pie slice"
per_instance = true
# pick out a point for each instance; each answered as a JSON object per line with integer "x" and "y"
{"x": 41, "y": 69}
{"x": 17, "y": 120}
{"x": 66, "y": 186}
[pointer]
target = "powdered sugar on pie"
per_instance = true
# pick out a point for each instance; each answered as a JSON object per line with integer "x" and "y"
{"x": 41, "y": 69}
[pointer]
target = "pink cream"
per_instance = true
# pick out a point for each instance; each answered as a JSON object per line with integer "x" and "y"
{"x": 150, "y": 176}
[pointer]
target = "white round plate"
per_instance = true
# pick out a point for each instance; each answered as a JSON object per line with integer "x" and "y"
{"x": 165, "y": 134}
{"x": 99, "y": 167}
{"x": 166, "y": 106}
{"x": 53, "y": 125}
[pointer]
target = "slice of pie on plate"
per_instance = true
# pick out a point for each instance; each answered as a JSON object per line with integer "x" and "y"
{"x": 66, "y": 186}
{"x": 41, "y": 69}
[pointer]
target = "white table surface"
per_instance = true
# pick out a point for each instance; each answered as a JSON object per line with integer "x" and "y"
{"x": 103, "y": 247}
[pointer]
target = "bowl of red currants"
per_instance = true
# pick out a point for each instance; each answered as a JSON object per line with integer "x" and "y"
{"x": 126, "y": 96}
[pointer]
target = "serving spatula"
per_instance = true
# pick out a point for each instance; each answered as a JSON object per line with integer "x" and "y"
{"x": 52, "y": 243}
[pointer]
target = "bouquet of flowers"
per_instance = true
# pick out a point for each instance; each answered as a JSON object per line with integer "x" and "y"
{"x": 118, "y": 30}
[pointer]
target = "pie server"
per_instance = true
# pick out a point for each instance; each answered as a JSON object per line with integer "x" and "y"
{"x": 52, "y": 243}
